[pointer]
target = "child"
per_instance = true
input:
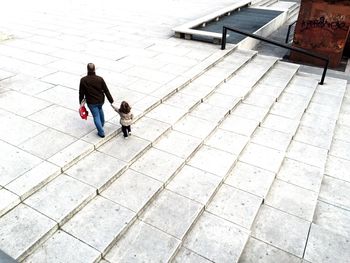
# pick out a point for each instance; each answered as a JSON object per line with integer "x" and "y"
{"x": 126, "y": 117}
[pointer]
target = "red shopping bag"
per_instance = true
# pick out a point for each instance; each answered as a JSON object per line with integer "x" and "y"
{"x": 83, "y": 111}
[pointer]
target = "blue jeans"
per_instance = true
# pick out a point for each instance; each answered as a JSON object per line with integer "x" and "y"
{"x": 99, "y": 118}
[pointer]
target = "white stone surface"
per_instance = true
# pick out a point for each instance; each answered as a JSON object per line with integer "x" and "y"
{"x": 250, "y": 179}
{"x": 290, "y": 111}
{"x": 332, "y": 218}
{"x": 38, "y": 145}
{"x": 273, "y": 227}
{"x": 125, "y": 150}
{"x": 21, "y": 228}
{"x": 97, "y": 169}
{"x": 314, "y": 120}
{"x": 172, "y": 213}
{"x": 187, "y": 256}
{"x": 194, "y": 126}
{"x": 227, "y": 141}
{"x": 292, "y": 199}
{"x": 71, "y": 154}
{"x": 263, "y": 157}
{"x": 280, "y": 123}
{"x": 183, "y": 101}
{"x": 14, "y": 162}
{"x": 16, "y": 130}
{"x": 307, "y": 154}
{"x": 35, "y": 178}
{"x": 8, "y": 200}
{"x": 132, "y": 190}
{"x": 338, "y": 168}
{"x": 301, "y": 174}
{"x": 240, "y": 125}
{"x": 325, "y": 246}
{"x": 335, "y": 192}
{"x": 216, "y": 239}
{"x": 258, "y": 251}
{"x": 143, "y": 243}
{"x": 166, "y": 113}
{"x": 235, "y": 205}
{"x": 74, "y": 250}
{"x": 342, "y": 132}
{"x": 220, "y": 165}
{"x": 223, "y": 101}
{"x": 272, "y": 138}
{"x": 197, "y": 89}
{"x": 260, "y": 100}
{"x": 177, "y": 143}
{"x": 314, "y": 136}
{"x": 149, "y": 129}
{"x": 323, "y": 110}
{"x": 158, "y": 164}
{"x": 340, "y": 149}
{"x": 55, "y": 201}
{"x": 250, "y": 112}
{"x": 99, "y": 223}
{"x": 209, "y": 112}
{"x": 195, "y": 184}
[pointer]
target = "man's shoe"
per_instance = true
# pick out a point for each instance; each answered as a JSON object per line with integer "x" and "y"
{"x": 102, "y": 136}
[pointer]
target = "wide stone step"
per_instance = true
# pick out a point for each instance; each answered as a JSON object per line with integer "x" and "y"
{"x": 85, "y": 170}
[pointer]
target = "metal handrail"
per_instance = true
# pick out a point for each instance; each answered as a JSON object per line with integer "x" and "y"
{"x": 288, "y": 32}
{"x": 300, "y": 50}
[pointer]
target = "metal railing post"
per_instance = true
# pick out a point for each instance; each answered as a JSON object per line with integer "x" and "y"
{"x": 324, "y": 72}
{"x": 223, "y": 39}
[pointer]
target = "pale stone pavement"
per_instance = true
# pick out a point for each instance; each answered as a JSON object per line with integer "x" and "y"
{"x": 244, "y": 161}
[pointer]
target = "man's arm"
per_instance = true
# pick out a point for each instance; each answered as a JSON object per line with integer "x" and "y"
{"x": 106, "y": 91}
{"x": 81, "y": 92}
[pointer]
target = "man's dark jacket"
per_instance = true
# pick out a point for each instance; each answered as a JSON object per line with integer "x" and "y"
{"x": 93, "y": 88}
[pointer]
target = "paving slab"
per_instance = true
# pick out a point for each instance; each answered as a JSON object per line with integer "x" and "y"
{"x": 340, "y": 149}
{"x": 269, "y": 88}
{"x": 294, "y": 100}
{"x": 172, "y": 213}
{"x": 100, "y": 223}
{"x": 133, "y": 190}
{"x": 34, "y": 179}
{"x": 158, "y": 164}
{"x": 307, "y": 153}
{"x": 235, "y": 205}
{"x": 14, "y": 162}
{"x": 338, "y": 168}
{"x": 197, "y": 89}
{"x": 209, "y": 112}
{"x": 183, "y": 101}
{"x": 194, "y": 184}
{"x": 250, "y": 178}
{"x": 54, "y": 201}
{"x": 250, "y": 112}
{"x": 4, "y": 258}
{"x": 288, "y": 110}
{"x": 314, "y": 120}
{"x": 220, "y": 165}
{"x": 38, "y": 146}
{"x": 110, "y": 128}
{"x": 216, "y": 239}
{"x": 335, "y": 192}
{"x": 301, "y": 174}
{"x": 260, "y": 100}
{"x": 16, "y": 130}
{"x": 342, "y": 132}
{"x": 314, "y": 136}
{"x": 64, "y": 79}
{"x": 167, "y": 113}
{"x": 74, "y": 250}
{"x": 195, "y": 126}
{"x": 21, "y": 229}
{"x": 125, "y": 149}
{"x": 279, "y": 123}
{"x": 177, "y": 143}
{"x": 240, "y": 125}
{"x": 149, "y": 129}
{"x": 272, "y": 138}
{"x": 8, "y": 200}
{"x": 227, "y": 141}
{"x": 292, "y": 199}
{"x": 97, "y": 169}
{"x": 143, "y": 243}
{"x": 263, "y": 157}
{"x": 24, "y": 105}
{"x": 273, "y": 227}
{"x": 332, "y": 218}
{"x": 236, "y": 87}
{"x": 223, "y": 101}
{"x": 67, "y": 121}
{"x": 71, "y": 154}
{"x": 258, "y": 251}
{"x": 323, "y": 110}
{"x": 187, "y": 256}
{"x": 334, "y": 101}
{"x": 325, "y": 246}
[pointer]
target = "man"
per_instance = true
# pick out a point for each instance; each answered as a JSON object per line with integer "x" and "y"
{"x": 93, "y": 88}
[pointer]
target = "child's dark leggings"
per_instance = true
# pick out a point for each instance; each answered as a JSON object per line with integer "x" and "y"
{"x": 126, "y": 130}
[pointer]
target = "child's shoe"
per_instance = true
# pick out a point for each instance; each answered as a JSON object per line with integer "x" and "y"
{"x": 126, "y": 137}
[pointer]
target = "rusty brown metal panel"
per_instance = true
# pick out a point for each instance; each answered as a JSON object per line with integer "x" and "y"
{"x": 322, "y": 27}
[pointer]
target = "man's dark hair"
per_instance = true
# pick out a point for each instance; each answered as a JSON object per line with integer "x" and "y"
{"x": 91, "y": 68}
